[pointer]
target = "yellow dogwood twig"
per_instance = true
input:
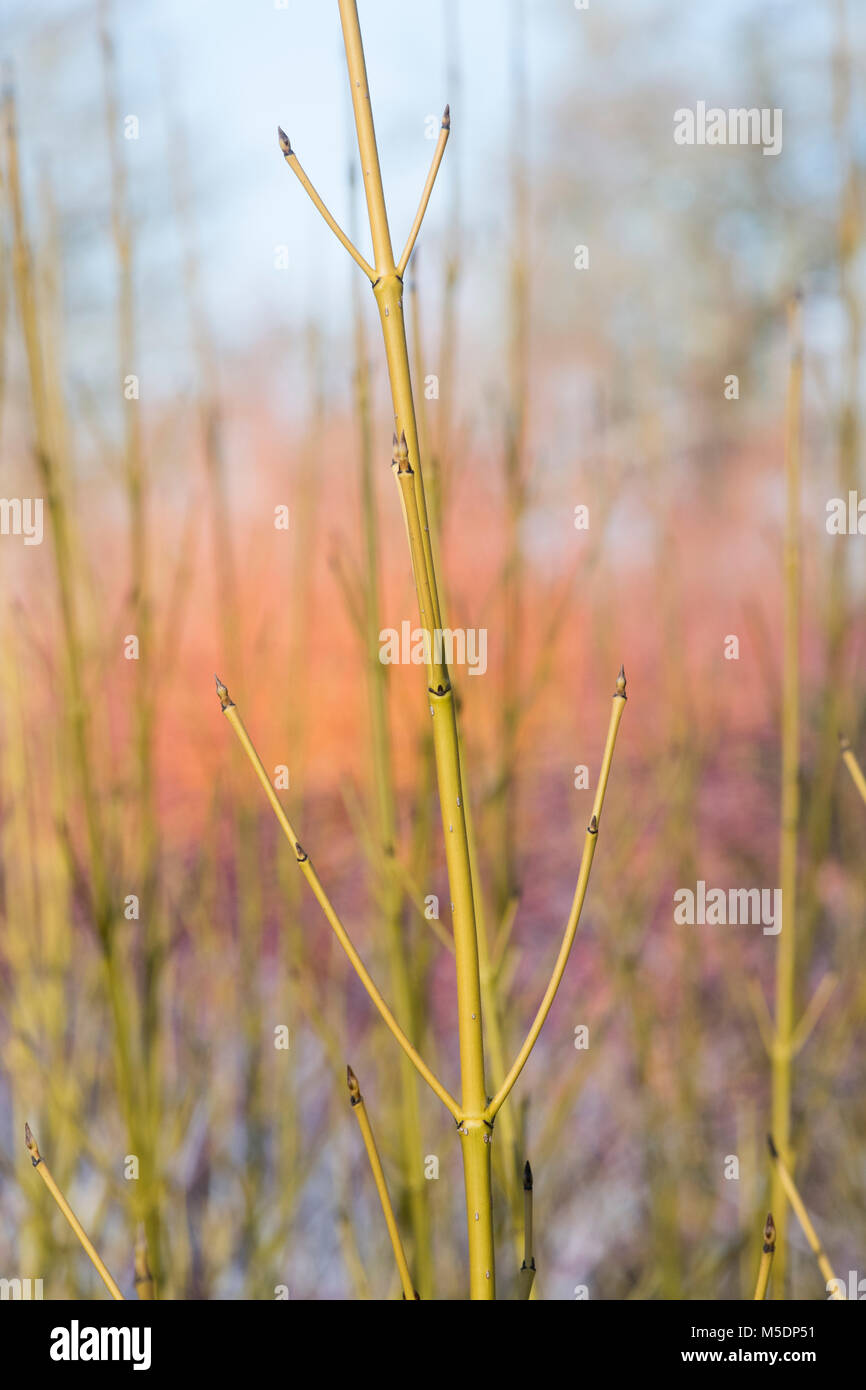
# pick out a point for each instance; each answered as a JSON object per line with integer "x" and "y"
{"x": 230, "y": 710}
{"x": 45, "y": 1174}
{"x": 360, "y": 1111}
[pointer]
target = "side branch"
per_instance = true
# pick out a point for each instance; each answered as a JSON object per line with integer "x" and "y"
{"x": 849, "y": 758}
{"x": 230, "y": 710}
{"x": 357, "y": 1103}
{"x": 437, "y": 674}
{"x": 295, "y": 165}
{"x": 813, "y": 1012}
{"x": 805, "y": 1221}
{"x": 444, "y": 132}
{"x": 576, "y": 906}
{"x": 42, "y": 1169}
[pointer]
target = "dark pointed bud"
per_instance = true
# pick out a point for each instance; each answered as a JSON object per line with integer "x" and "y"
{"x": 32, "y": 1146}
{"x": 769, "y": 1234}
{"x": 354, "y": 1088}
{"x": 527, "y": 1177}
{"x": 285, "y": 143}
{"x": 620, "y": 682}
{"x": 226, "y": 701}
{"x": 844, "y": 743}
{"x": 593, "y": 826}
{"x": 446, "y": 118}
{"x": 772, "y": 1147}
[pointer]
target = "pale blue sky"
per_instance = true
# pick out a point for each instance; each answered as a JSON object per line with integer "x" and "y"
{"x": 227, "y": 71}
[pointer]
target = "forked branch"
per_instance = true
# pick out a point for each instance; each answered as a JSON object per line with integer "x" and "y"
{"x": 589, "y": 845}
{"x": 230, "y": 710}
{"x": 400, "y": 268}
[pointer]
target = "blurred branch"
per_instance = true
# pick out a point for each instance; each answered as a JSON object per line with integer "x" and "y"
{"x": 590, "y": 842}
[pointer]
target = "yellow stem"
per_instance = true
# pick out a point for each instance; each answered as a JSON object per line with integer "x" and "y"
{"x": 444, "y": 132}
{"x": 231, "y": 712}
{"x": 45, "y": 1174}
{"x": 402, "y": 968}
{"x": 790, "y": 808}
{"x": 144, "y": 1286}
{"x": 766, "y": 1258}
{"x": 850, "y": 760}
{"x": 789, "y": 1187}
{"x": 813, "y": 1012}
{"x": 474, "y": 1126}
{"x": 576, "y": 906}
{"x": 295, "y": 165}
{"x": 381, "y": 1186}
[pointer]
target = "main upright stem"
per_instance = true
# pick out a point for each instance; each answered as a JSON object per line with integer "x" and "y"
{"x": 786, "y": 947}
{"x": 474, "y": 1128}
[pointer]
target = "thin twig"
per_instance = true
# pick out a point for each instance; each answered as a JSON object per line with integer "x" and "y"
{"x": 802, "y": 1216}
{"x": 786, "y": 945}
{"x": 444, "y": 132}
{"x": 849, "y": 758}
{"x": 590, "y": 842}
{"x": 357, "y": 1101}
{"x": 45, "y": 1174}
{"x": 813, "y": 1012}
{"x": 230, "y": 710}
{"x": 295, "y": 165}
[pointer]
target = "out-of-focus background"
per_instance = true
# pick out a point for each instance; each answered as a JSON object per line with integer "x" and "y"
{"x": 179, "y": 359}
